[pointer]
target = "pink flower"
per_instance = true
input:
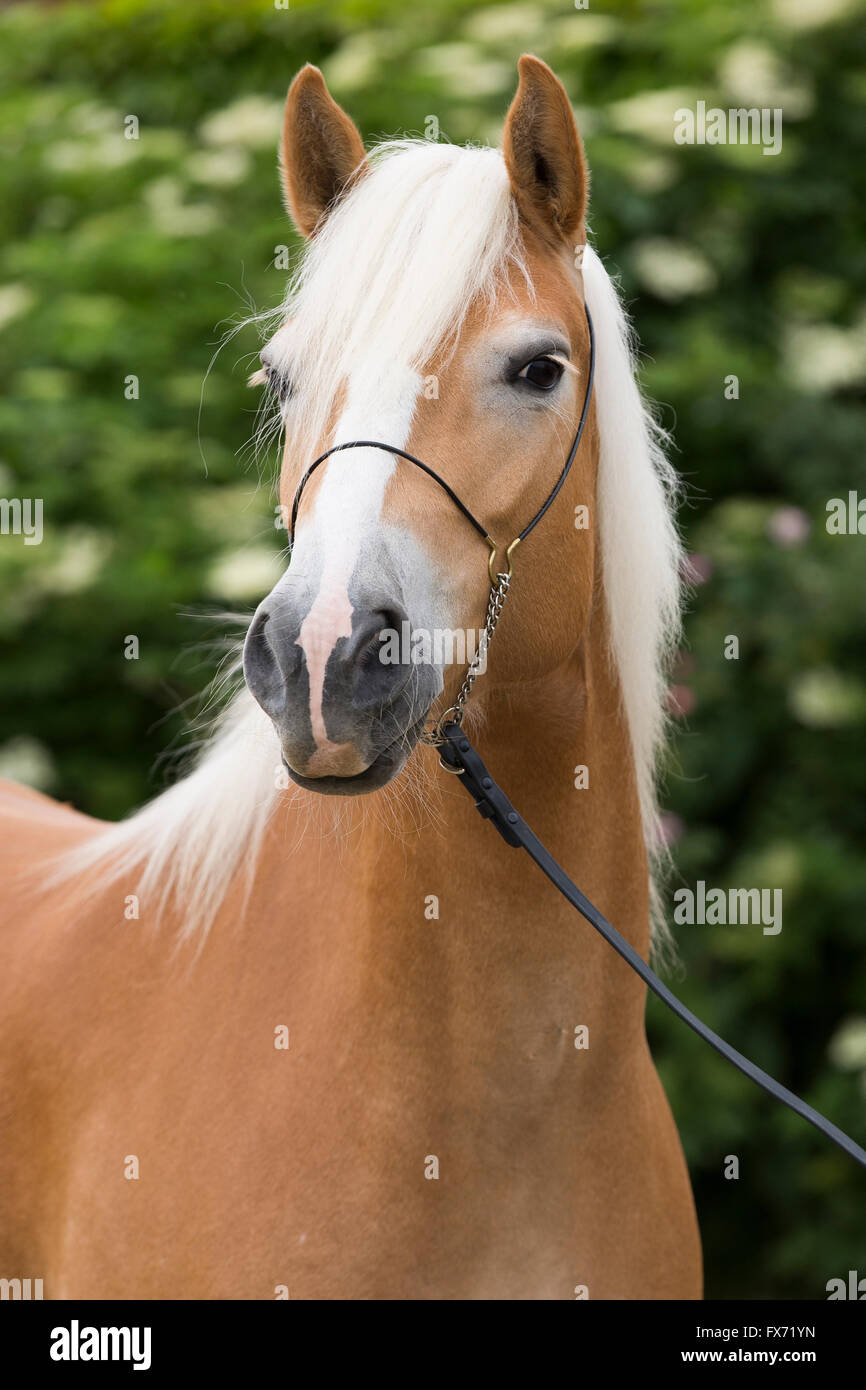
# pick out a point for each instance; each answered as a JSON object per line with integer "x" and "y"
{"x": 696, "y": 569}
{"x": 681, "y": 699}
{"x": 673, "y": 827}
{"x": 788, "y": 526}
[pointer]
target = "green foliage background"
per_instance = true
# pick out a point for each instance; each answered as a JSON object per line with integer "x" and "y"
{"x": 128, "y": 257}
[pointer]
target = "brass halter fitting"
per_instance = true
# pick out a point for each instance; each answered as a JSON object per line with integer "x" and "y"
{"x": 492, "y": 568}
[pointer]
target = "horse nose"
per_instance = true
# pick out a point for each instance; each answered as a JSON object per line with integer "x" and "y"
{"x": 363, "y": 669}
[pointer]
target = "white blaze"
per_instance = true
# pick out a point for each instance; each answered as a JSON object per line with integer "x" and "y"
{"x": 380, "y": 404}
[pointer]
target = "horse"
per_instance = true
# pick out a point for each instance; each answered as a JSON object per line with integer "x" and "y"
{"x": 302, "y": 1026}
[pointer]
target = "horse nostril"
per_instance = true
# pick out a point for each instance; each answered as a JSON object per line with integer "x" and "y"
{"x": 378, "y": 657}
{"x": 386, "y": 634}
{"x": 370, "y": 634}
{"x": 270, "y": 660}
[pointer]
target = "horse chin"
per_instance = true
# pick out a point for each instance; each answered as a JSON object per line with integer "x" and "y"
{"x": 382, "y": 770}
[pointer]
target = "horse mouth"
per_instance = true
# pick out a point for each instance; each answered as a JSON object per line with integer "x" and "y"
{"x": 384, "y": 767}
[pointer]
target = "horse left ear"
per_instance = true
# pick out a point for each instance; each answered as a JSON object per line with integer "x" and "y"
{"x": 544, "y": 155}
{"x": 320, "y": 150}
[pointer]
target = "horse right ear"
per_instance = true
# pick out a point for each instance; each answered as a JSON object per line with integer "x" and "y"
{"x": 320, "y": 151}
{"x": 544, "y": 156}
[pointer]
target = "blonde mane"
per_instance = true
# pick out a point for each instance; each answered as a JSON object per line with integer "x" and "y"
{"x": 430, "y": 229}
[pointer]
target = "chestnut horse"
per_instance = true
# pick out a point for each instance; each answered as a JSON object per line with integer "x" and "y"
{"x": 303, "y": 1026}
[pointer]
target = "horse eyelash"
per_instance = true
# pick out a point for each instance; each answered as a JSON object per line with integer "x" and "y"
{"x": 276, "y": 382}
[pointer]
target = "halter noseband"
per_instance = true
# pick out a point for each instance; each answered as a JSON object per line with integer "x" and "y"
{"x": 500, "y": 579}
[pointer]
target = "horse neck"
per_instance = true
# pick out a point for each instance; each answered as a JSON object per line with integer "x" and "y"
{"x": 432, "y": 922}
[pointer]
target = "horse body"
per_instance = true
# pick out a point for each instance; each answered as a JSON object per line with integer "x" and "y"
{"x": 410, "y": 1038}
{"x": 466, "y": 1106}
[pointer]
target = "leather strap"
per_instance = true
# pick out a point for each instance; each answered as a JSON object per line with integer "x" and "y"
{"x": 492, "y": 803}
{"x": 387, "y": 449}
{"x": 446, "y": 487}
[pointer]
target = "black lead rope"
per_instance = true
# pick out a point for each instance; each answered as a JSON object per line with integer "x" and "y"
{"x": 491, "y": 802}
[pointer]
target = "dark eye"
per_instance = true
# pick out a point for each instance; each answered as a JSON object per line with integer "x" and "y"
{"x": 278, "y": 383}
{"x": 543, "y": 373}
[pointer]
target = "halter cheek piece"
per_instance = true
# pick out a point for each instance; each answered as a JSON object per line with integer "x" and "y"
{"x": 457, "y": 755}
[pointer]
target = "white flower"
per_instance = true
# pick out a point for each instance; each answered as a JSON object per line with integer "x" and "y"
{"x": 752, "y": 74}
{"x": 362, "y": 57}
{"x": 173, "y": 217}
{"x": 809, "y": 14}
{"x": 92, "y": 119}
{"x": 847, "y": 1047}
{"x": 820, "y": 357}
{"x": 651, "y": 114}
{"x": 105, "y": 151}
{"x": 220, "y": 167}
{"x": 15, "y": 299}
{"x": 26, "y": 760}
{"x": 81, "y": 556}
{"x": 826, "y": 699}
{"x": 584, "y": 30}
{"x": 651, "y": 173}
{"x": 245, "y": 574}
{"x": 457, "y": 67}
{"x": 505, "y": 24}
{"x": 672, "y": 269}
{"x": 252, "y": 121}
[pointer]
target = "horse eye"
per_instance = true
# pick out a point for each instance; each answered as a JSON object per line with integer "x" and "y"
{"x": 543, "y": 373}
{"x": 279, "y": 383}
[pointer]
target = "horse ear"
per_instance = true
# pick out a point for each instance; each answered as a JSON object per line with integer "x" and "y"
{"x": 319, "y": 152}
{"x": 544, "y": 155}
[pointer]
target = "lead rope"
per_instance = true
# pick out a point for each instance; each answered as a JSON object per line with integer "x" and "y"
{"x": 458, "y": 755}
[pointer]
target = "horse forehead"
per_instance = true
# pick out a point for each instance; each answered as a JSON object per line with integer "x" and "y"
{"x": 335, "y": 525}
{"x": 379, "y": 404}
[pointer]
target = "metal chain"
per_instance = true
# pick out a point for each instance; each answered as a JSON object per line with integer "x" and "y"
{"x": 454, "y": 713}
